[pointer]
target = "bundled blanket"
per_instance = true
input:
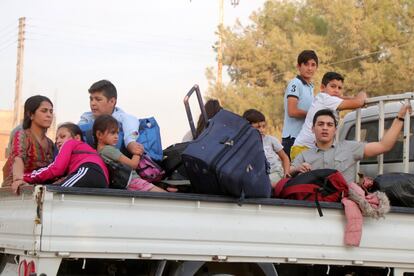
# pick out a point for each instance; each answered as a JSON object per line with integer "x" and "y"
{"x": 360, "y": 203}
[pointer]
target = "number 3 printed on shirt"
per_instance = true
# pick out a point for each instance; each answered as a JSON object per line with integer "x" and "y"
{"x": 293, "y": 88}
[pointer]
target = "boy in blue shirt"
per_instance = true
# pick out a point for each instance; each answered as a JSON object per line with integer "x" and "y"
{"x": 298, "y": 98}
{"x": 102, "y": 100}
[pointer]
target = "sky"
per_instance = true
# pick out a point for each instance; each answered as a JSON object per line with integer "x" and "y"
{"x": 152, "y": 51}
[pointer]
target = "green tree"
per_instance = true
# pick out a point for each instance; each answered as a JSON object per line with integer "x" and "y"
{"x": 369, "y": 42}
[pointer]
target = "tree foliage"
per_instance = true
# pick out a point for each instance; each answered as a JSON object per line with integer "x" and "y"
{"x": 370, "y": 42}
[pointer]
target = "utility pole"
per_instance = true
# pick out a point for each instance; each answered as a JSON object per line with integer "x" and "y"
{"x": 19, "y": 72}
{"x": 220, "y": 42}
{"x": 220, "y": 46}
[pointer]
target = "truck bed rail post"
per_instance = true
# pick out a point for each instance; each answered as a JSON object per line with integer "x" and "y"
{"x": 381, "y": 114}
{"x": 358, "y": 135}
{"x": 406, "y": 146}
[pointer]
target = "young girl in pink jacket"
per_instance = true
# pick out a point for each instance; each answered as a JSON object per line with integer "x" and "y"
{"x": 78, "y": 163}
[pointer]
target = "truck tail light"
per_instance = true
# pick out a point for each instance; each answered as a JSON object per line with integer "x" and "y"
{"x": 26, "y": 269}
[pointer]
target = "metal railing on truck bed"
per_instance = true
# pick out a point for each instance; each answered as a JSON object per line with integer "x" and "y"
{"x": 380, "y": 102}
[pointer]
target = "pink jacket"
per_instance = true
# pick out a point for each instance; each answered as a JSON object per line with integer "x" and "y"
{"x": 66, "y": 162}
{"x": 359, "y": 204}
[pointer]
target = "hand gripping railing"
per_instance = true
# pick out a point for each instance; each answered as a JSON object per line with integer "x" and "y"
{"x": 380, "y": 101}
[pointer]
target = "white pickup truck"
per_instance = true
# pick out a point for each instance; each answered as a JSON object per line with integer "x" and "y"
{"x": 51, "y": 230}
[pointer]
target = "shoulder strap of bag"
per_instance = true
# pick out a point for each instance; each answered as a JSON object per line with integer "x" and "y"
{"x": 304, "y": 188}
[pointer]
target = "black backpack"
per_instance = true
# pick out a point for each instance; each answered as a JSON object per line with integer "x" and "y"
{"x": 172, "y": 163}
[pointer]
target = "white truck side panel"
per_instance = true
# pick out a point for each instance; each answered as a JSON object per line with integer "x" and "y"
{"x": 197, "y": 230}
{"x": 124, "y": 227}
{"x": 18, "y": 227}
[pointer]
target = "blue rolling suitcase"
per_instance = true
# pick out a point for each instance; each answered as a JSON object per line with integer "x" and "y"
{"x": 227, "y": 158}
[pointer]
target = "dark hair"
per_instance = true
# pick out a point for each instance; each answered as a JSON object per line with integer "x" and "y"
{"x": 104, "y": 123}
{"x": 254, "y": 116}
{"x": 324, "y": 112}
{"x": 307, "y": 55}
{"x": 105, "y": 86}
{"x": 30, "y": 107}
{"x": 74, "y": 129}
{"x": 212, "y": 107}
{"x": 329, "y": 76}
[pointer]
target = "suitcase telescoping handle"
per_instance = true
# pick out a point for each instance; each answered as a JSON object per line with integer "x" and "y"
{"x": 196, "y": 89}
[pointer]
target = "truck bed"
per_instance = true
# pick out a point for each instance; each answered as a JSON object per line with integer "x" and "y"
{"x": 51, "y": 221}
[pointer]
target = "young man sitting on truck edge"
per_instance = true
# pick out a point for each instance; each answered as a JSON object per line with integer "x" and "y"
{"x": 298, "y": 98}
{"x": 331, "y": 98}
{"x": 102, "y": 100}
{"x": 343, "y": 155}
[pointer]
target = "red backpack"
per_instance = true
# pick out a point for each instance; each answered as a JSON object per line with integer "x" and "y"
{"x": 317, "y": 185}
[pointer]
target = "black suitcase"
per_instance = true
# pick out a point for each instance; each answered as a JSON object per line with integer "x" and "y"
{"x": 227, "y": 158}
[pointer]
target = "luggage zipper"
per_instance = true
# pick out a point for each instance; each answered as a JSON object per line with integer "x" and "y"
{"x": 228, "y": 144}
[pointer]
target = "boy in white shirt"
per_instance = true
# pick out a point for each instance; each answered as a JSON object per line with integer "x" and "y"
{"x": 275, "y": 155}
{"x": 331, "y": 98}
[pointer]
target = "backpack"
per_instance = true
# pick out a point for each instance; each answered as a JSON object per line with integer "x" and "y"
{"x": 149, "y": 137}
{"x": 172, "y": 162}
{"x": 149, "y": 170}
{"x": 119, "y": 174}
{"x": 317, "y": 185}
